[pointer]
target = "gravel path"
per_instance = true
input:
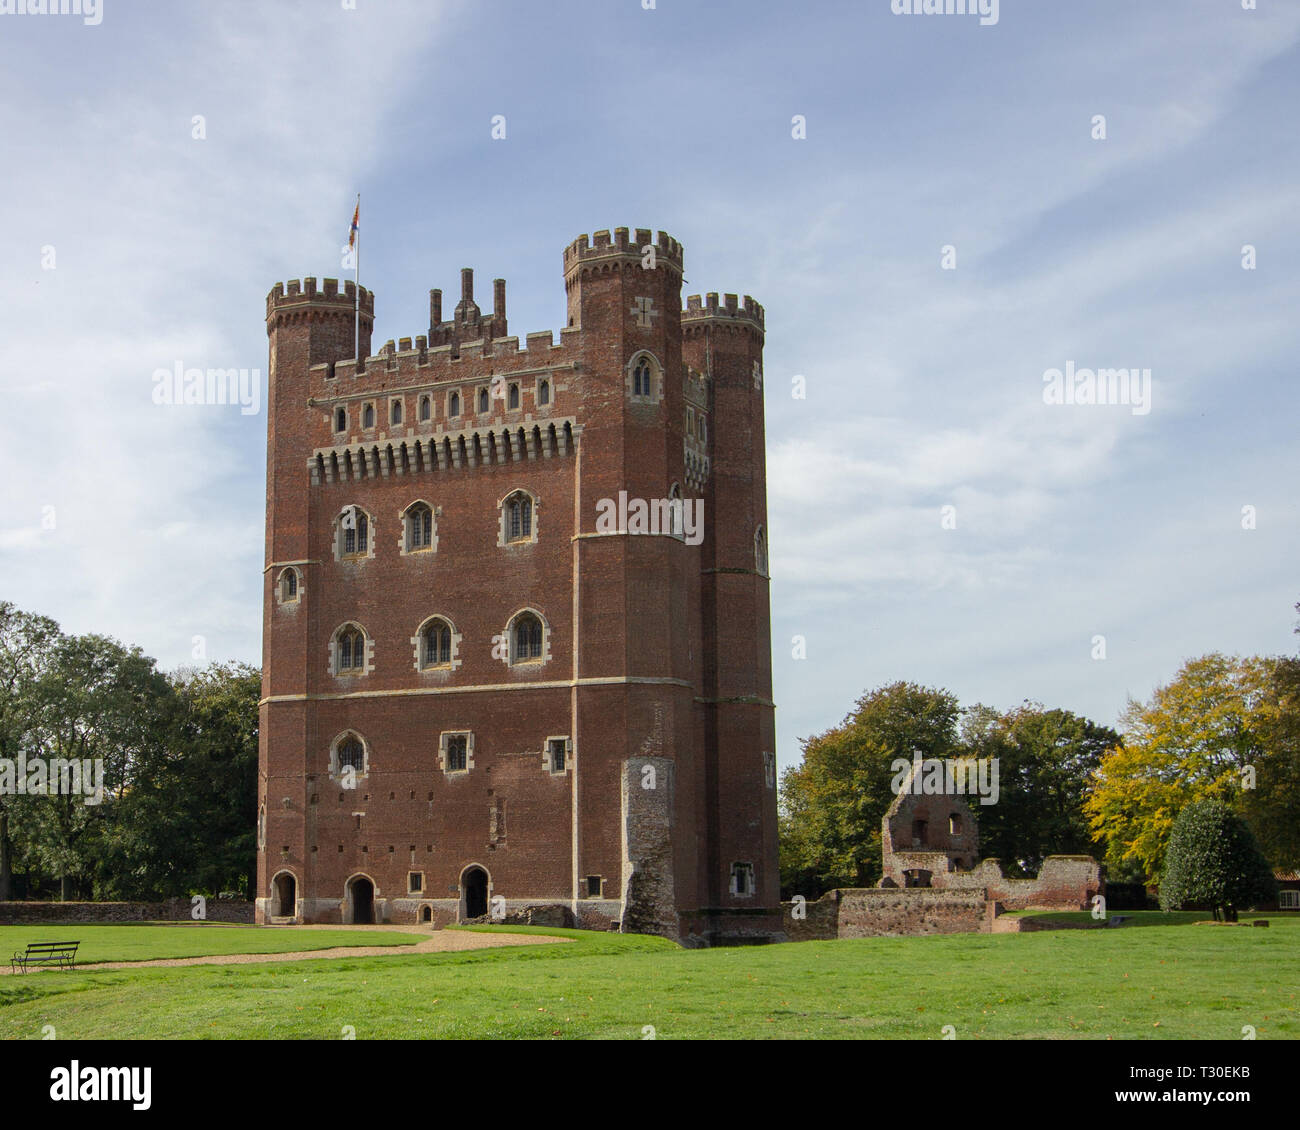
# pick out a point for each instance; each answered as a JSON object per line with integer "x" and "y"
{"x": 437, "y": 941}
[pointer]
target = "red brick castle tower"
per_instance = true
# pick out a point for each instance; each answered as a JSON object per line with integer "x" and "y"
{"x": 517, "y": 654}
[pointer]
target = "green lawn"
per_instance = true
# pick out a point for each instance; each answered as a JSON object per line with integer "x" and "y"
{"x": 1163, "y": 982}
{"x": 145, "y": 942}
{"x": 1137, "y": 917}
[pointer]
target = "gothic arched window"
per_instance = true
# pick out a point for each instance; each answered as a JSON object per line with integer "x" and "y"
{"x": 435, "y": 644}
{"x": 525, "y": 638}
{"x": 419, "y": 527}
{"x": 519, "y": 517}
{"x": 354, "y": 533}
{"x": 350, "y": 651}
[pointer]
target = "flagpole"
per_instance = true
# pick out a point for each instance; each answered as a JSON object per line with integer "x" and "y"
{"x": 356, "y": 326}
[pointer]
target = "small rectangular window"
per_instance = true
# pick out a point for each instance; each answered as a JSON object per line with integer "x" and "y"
{"x": 558, "y": 748}
{"x": 593, "y": 886}
{"x": 742, "y": 878}
{"x": 415, "y": 881}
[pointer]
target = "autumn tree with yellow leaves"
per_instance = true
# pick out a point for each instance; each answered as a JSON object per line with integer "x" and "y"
{"x": 1224, "y": 729}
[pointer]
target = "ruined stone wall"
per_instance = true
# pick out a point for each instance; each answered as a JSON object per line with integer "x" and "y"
{"x": 888, "y": 912}
{"x": 1066, "y": 882}
{"x": 649, "y": 896}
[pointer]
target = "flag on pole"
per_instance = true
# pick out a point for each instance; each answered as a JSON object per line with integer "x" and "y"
{"x": 354, "y": 244}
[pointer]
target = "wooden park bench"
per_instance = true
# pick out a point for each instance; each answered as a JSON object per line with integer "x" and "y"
{"x": 62, "y": 954}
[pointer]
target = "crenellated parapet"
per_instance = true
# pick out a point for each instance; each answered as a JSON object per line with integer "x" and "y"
{"x": 301, "y": 300}
{"x": 731, "y": 314}
{"x": 417, "y": 364}
{"x": 621, "y": 250}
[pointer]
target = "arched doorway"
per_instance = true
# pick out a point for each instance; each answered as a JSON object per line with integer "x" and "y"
{"x": 474, "y": 884}
{"x": 361, "y": 901}
{"x": 284, "y": 902}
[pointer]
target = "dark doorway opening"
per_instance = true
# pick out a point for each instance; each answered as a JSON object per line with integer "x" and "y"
{"x": 361, "y": 901}
{"x": 284, "y": 904}
{"x": 475, "y": 885}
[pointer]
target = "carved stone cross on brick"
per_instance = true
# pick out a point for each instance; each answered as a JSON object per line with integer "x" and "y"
{"x": 644, "y": 309}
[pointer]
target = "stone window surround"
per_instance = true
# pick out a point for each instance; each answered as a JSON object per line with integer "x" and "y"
{"x": 280, "y": 598}
{"x": 339, "y": 555}
{"x": 542, "y": 659}
{"x": 417, "y": 642}
{"x": 656, "y": 378}
{"x": 432, "y": 547}
{"x": 737, "y": 869}
{"x": 568, "y": 754}
{"x": 335, "y": 770}
{"x": 503, "y": 541}
{"x": 368, "y": 658}
{"x": 468, "y": 735}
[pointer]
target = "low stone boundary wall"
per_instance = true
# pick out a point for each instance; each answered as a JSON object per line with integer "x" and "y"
{"x": 93, "y": 913}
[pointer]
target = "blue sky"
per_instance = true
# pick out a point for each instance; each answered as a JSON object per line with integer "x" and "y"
{"x": 924, "y": 385}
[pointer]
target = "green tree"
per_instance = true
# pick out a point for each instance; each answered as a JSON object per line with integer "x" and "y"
{"x": 1210, "y": 733}
{"x": 1272, "y": 803}
{"x": 1213, "y": 858}
{"x": 26, "y": 641}
{"x": 832, "y": 804}
{"x": 99, "y": 702}
{"x": 1045, "y": 758}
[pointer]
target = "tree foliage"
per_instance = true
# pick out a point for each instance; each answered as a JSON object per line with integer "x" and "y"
{"x": 1213, "y": 858}
{"x": 1217, "y": 731}
{"x": 177, "y": 814}
{"x": 832, "y": 804}
{"x": 1045, "y": 758}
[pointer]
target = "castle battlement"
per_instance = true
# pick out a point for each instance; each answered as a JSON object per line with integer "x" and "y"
{"x": 418, "y": 363}
{"x": 300, "y": 293}
{"x": 603, "y": 247}
{"x": 730, "y": 309}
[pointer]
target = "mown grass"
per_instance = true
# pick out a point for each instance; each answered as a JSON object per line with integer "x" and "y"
{"x": 1131, "y": 917}
{"x": 131, "y": 942}
{"x": 1163, "y": 982}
